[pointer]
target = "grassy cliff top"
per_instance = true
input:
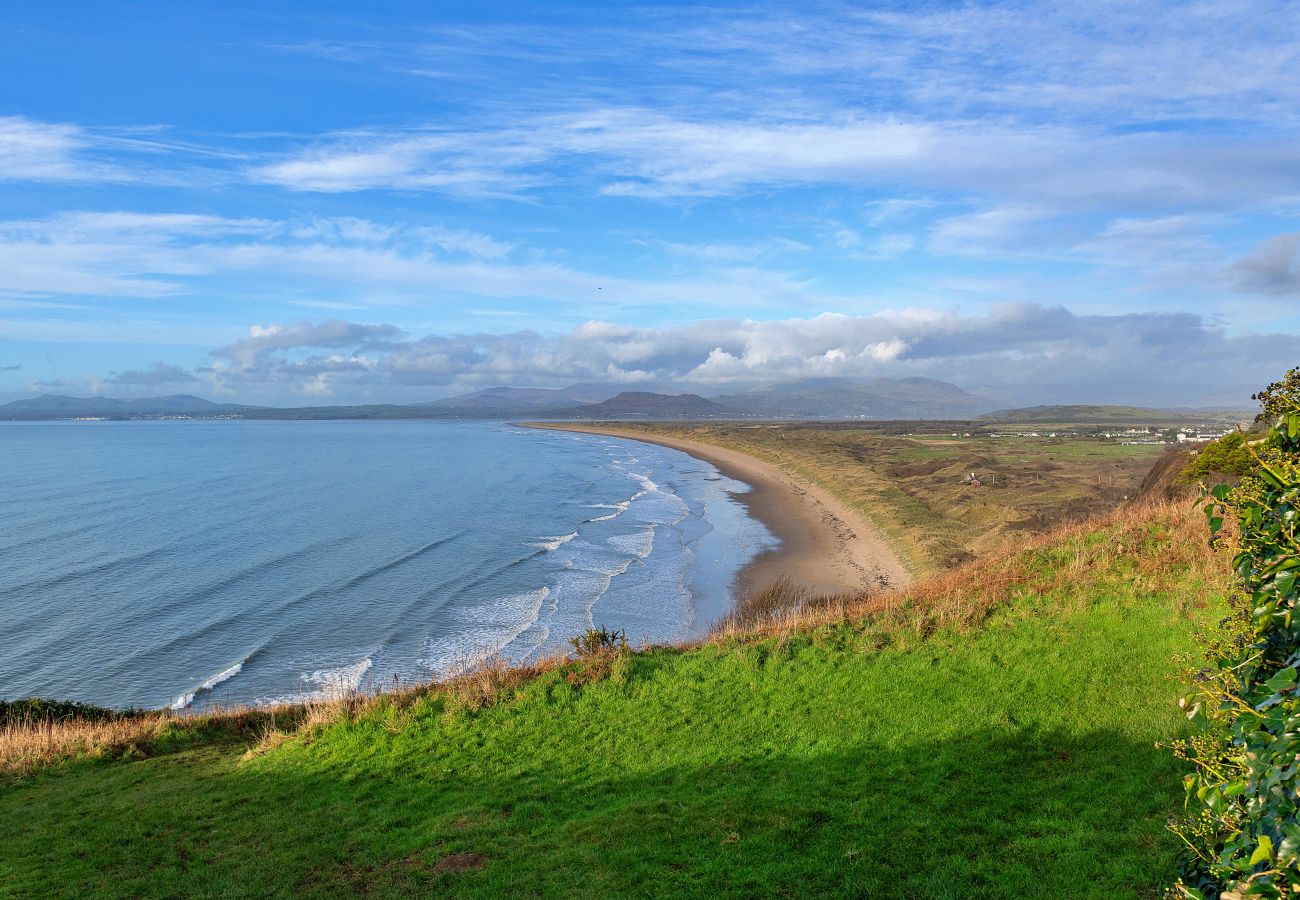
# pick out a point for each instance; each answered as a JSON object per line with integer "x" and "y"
{"x": 988, "y": 733}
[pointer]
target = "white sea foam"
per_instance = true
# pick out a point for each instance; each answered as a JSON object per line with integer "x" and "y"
{"x": 543, "y": 635}
{"x": 342, "y": 680}
{"x": 639, "y": 543}
{"x": 599, "y": 558}
{"x": 555, "y": 543}
{"x": 185, "y": 700}
{"x": 647, "y": 486}
{"x": 487, "y": 629}
{"x": 619, "y": 509}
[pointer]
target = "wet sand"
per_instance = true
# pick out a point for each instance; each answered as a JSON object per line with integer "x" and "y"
{"x": 825, "y": 545}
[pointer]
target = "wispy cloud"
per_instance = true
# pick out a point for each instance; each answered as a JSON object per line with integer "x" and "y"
{"x": 1114, "y": 61}
{"x": 161, "y": 255}
{"x": 70, "y": 153}
{"x": 656, "y": 155}
{"x": 44, "y": 151}
{"x": 999, "y": 231}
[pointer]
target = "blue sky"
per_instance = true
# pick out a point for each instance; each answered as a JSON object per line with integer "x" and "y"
{"x": 305, "y": 203}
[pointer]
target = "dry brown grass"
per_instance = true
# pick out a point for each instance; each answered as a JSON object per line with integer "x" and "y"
{"x": 1145, "y": 546}
{"x": 783, "y": 599}
{"x": 32, "y": 744}
{"x": 29, "y": 745}
{"x": 485, "y": 682}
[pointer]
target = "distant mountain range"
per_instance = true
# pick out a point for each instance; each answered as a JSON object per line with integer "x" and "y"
{"x": 512, "y": 399}
{"x": 53, "y": 406}
{"x": 646, "y": 405}
{"x": 816, "y": 398}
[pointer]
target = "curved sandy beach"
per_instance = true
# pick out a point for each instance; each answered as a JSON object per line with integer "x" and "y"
{"x": 825, "y": 544}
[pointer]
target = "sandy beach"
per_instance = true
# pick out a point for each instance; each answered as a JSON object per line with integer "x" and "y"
{"x": 825, "y": 545}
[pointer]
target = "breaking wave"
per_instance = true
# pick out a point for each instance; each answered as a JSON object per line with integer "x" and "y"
{"x": 555, "y": 543}
{"x": 342, "y": 680}
{"x": 184, "y": 700}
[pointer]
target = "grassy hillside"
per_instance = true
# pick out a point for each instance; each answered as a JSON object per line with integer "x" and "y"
{"x": 1114, "y": 415}
{"x": 991, "y": 733}
{"x": 1084, "y": 414}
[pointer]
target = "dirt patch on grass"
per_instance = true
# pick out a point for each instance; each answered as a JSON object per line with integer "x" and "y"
{"x": 926, "y": 467}
{"x": 465, "y": 861}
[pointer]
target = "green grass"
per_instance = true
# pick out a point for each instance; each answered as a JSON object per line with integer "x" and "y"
{"x": 1013, "y": 759}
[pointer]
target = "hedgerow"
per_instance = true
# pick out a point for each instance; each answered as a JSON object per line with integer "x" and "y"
{"x": 1243, "y": 839}
{"x": 39, "y": 709}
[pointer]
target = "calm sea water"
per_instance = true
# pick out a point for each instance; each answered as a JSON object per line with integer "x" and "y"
{"x": 183, "y": 563}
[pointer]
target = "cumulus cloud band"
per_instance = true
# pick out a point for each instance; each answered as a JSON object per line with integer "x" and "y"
{"x": 1023, "y": 352}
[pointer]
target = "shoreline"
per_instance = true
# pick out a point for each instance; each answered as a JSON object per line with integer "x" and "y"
{"x": 825, "y": 545}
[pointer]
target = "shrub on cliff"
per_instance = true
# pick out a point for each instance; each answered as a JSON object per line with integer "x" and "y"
{"x": 1229, "y": 455}
{"x": 1244, "y": 840}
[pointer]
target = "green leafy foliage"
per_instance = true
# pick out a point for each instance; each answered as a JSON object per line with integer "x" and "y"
{"x": 598, "y": 640}
{"x": 1229, "y": 455}
{"x": 1244, "y": 840}
{"x": 1280, "y": 399}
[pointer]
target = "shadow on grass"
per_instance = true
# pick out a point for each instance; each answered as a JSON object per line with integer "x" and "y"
{"x": 998, "y": 813}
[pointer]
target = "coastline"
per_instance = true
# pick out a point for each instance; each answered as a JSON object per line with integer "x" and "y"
{"x": 825, "y": 545}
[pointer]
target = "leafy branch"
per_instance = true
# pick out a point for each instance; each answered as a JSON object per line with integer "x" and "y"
{"x": 1242, "y": 833}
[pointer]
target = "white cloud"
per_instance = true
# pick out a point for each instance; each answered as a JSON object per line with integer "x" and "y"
{"x": 1016, "y": 102}
{"x": 991, "y": 232}
{"x": 729, "y": 252}
{"x": 160, "y": 255}
{"x": 661, "y": 155}
{"x": 1121, "y": 61}
{"x": 157, "y": 375}
{"x": 262, "y": 341}
{"x": 43, "y": 151}
{"x": 1027, "y": 352}
{"x": 466, "y": 163}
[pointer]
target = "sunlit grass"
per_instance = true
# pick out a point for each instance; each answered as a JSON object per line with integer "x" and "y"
{"x": 988, "y": 733}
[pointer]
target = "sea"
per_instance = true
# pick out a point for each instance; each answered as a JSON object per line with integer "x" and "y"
{"x": 187, "y": 564}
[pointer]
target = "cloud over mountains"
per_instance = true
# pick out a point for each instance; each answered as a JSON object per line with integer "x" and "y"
{"x": 1026, "y": 353}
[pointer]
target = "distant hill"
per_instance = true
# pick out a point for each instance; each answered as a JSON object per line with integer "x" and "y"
{"x": 53, "y": 406}
{"x": 878, "y": 398}
{"x": 647, "y": 405}
{"x": 367, "y": 411}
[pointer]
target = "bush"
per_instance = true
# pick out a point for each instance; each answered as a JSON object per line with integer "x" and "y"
{"x": 598, "y": 640}
{"x": 1245, "y": 839}
{"x": 1229, "y": 455}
